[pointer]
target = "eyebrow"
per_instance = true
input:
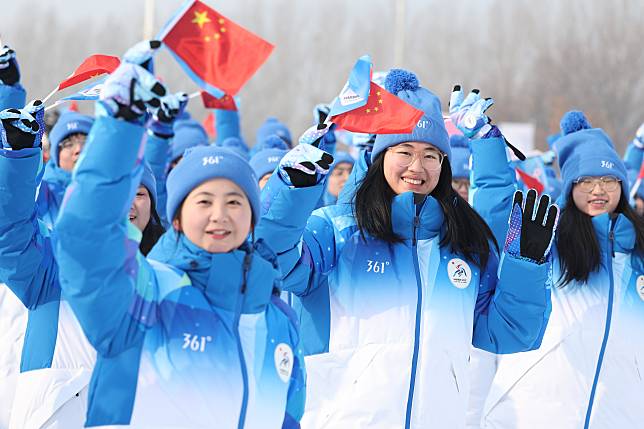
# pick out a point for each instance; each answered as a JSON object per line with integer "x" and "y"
{"x": 227, "y": 194}
{"x": 429, "y": 149}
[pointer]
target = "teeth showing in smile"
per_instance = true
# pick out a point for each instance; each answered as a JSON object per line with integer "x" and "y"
{"x": 412, "y": 181}
{"x": 598, "y": 202}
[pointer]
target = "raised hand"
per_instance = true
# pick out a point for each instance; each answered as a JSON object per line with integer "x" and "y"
{"x": 304, "y": 165}
{"x": 20, "y": 129}
{"x": 531, "y": 231}
{"x": 468, "y": 114}
{"x": 9, "y": 70}
{"x": 171, "y": 107}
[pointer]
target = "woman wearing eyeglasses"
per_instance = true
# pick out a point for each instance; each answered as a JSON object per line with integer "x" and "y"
{"x": 412, "y": 276}
{"x": 589, "y": 370}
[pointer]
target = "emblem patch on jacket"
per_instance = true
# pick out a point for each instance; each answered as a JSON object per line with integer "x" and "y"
{"x": 640, "y": 286}
{"x": 284, "y": 361}
{"x": 459, "y": 273}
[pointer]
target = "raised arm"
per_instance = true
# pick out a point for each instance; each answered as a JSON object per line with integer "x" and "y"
{"x": 12, "y": 94}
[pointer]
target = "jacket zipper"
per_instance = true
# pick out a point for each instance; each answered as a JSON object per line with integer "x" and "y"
{"x": 419, "y": 304}
{"x": 609, "y": 311}
{"x": 240, "y": 349}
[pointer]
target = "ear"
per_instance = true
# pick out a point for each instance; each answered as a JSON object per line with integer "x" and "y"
{"x": 176, "y": 224}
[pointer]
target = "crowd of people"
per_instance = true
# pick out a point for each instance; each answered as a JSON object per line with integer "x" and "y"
{"x": 153, "y": 278}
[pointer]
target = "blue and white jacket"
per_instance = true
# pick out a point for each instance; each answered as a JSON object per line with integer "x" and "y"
{"x": 189, "y": 340}
{"x": 589, "y": 370}
{"x": 402, "y": 317}
{"x": 56, "y": 358}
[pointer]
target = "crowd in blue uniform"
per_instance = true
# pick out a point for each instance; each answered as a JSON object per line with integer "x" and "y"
{"x": 167, "y": 281}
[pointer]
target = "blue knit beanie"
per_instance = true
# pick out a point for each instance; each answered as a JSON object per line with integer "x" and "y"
{"x": 460, "y": 162}
{"x": 273, "y": 126}
{"x": 265, "y": 161}
{"x": 150, "y": 183}
{"x": 429, "y": 129}
{"x": 203, "y": 163}
{"x": 585, "y": 151}
{"x": 68, "y": 123}
{"x": 187, "y": 133}
{"x": 272, "y": 142}
{"x": 236, "y": 145}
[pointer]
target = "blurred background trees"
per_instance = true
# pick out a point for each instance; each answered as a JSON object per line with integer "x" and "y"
{"x": 537, "y": 59}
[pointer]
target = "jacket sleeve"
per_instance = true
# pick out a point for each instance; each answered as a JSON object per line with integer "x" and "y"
{"x": 226, "y": 125}
{"x": 12, "y": 96}
{"x": 102, "y": 273}
{"x": 512, "y": 309}
{"x": 633, "y": 157}
{"x": 304, "y": 244}
{"x": 156, "y": 154}
{"x": 493, "y": 185}
{"x": 27, "y": 263}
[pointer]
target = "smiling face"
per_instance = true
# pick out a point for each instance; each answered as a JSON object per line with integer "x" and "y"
{"x": 141, "y": 208}
{"x": 598, "y": 201}
{"x": 420, "y": 176}
{"x": 216, "y": 216}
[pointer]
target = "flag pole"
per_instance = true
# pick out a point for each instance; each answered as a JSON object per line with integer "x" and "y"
{"x": 148, "y": 19}
{"x": 44, "y": 100}
{"x": 194, "y": 94}
{"x": 58, "y": 103}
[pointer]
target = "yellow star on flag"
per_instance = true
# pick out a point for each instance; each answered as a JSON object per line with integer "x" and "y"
{"x": 201, "y": 18}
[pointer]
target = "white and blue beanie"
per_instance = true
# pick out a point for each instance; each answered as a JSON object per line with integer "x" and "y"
{"x": 265, "y": 161}
{"x": 585, "y": 151}
{"x": 460, "y": 162}
{"x": 429, "y": 129}
{"x": 187, "y": 133}
{"x": 235, "y": 144}
{"x": 203, "y": 163}
{"x": 272, "y": 126}
{"x": 68, "y": 123}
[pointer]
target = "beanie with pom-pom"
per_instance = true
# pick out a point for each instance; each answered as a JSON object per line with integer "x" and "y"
{"x": 585, "y": 151}
{"x": 429, "y": 129}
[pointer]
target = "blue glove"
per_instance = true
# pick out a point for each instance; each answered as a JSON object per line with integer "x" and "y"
{"x": 128, "y": 92}
{"x": 320, "y": 113}
{"x": 172, "y": 106}
{"x": 468, "y": 115}
{"x": 20, "y": 129}
{"x": 304, "y": 165}
{"x": 531, "y": 233}
{"x": 9, "y": 70}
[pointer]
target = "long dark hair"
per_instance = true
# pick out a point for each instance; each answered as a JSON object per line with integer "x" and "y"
{"x": 577, "y": 244}
{"x": 465, "y": 233}
{"x": 152, "y": 231}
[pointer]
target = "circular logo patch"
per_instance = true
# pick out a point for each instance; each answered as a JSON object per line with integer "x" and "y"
{"x": 459, "y": 273}
{"x": 284, "y": 361}
{"x": 640, "y": 286}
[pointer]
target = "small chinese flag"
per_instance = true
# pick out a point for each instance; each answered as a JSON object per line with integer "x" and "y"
{"x": 384, "y": 113}
{"x": 224, "y": 103}
{"x": 209, "y": 125}
{"x": 73, "y": 106}
{"x": 530, "y": 182}
{"x": 93, "y": 66}
{"x": 219, "y": 55}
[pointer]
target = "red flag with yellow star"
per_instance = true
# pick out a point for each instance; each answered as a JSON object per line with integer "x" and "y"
{"x": 224, "y": 103}
{"x": 384, "y": 113}
{"x": 216, "y": 53}
{"x": 94, "y": 65}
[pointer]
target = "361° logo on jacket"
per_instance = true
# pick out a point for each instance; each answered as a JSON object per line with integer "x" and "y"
{"x": 640, "y": 287}
{"x": 459, "y": 273}
{"x": 284, "y": 361}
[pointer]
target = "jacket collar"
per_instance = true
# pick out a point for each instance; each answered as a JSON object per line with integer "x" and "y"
{"x": 623, "y": 232}
{"x": 55, "y": 174}
{"x": 220, "y": 276}
{"x": 404, "y": 210}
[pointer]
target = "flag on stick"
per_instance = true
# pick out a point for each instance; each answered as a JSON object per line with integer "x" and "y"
{"x": 530, "y": 182}
{"x": 218, "y": 54}
{"x": 94, "y": 65}
{"x": 224, "y": 103}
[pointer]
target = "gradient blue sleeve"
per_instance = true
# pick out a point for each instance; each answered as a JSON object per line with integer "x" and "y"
{"x": 633, "y": 157}
{"x": 296, "y": 239}
{"x": 12, "y": 96}
{"x": 493, "y": 185}
{"x": 27, "y": 263}
{"x": 226, "y": 125}
{"x": 512, "y": 309}
{"x": 156, "y": 154}
{"x": 101, "y": 270}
